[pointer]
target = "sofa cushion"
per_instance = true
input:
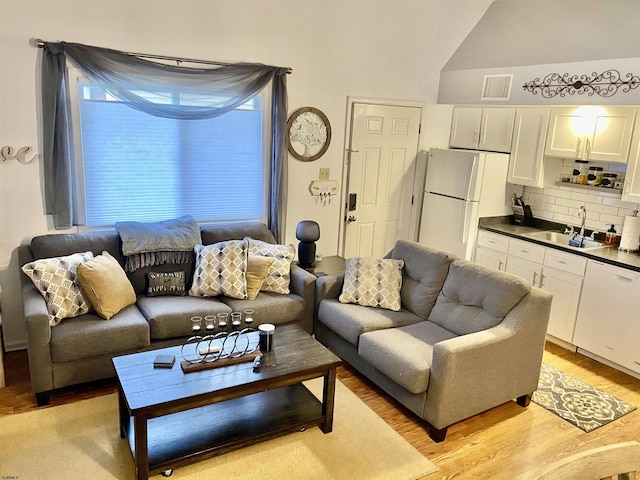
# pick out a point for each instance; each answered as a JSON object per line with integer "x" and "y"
{"x": 106, "y": 285}
{"x": 270, "y": 307}
{"x": 404, "y": 354}
{"x": 170, "y": 316}
{"x": 90, "y": 336}
{"x": 257, "y": 270}
{"x": 425, "y": 270}
{"x": 220, "y": 270}
{"x": 372, "y": 282}
{"x": 475, "y": 298}
{"x": 350, "y": 320}
{"x": 279, "y": 274}
{"x": 56, "y": 280}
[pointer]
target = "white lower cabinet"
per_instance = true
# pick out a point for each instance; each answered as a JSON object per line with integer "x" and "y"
{"x": 608, "y": 323}
{"x": 491, "y": 258}
{"x": 566, "y": 289}
{"x": 557, "y": 272}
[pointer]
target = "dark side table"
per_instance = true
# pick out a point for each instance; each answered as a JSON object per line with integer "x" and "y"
{"x": 331, "y": 265}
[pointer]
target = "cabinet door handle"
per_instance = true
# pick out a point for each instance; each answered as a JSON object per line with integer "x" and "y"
{"x": 624, "y": 279}
{"x": 499, "y": 264}
{"x": 562, "y": 262}
{"x": 490, "y": 241}
{"x": 535, "y": 274}
{"x": 578, "y": 147}
{"x": 587, "y": 150}
{"x": 524, "y": 251}
{"x": 541, "y": 282}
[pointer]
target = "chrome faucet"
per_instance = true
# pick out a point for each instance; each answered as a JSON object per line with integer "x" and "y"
{"x": 582, "y": 213}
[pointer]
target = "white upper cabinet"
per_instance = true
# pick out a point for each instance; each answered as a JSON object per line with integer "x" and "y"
{"x": 631, "y": 189}
{"x": 482, "y": 128}
{"x": 527, "y": 147}
{"x": 590, "y": 133}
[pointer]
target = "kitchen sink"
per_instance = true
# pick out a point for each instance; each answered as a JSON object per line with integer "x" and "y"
{"x": 563, "y": 239}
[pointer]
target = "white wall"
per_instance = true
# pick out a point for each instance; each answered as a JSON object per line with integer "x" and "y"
{"x": 390, "y": 49}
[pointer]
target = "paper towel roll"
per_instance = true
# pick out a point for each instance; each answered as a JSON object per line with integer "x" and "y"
{"x": 630, "y": 240}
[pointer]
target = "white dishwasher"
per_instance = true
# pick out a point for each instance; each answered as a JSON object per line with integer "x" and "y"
{"x": 608, "y": 322}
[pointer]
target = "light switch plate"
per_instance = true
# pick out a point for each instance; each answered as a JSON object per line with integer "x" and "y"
{"x": 324, "y": 174}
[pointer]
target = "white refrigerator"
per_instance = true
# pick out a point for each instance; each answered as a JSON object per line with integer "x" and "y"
{"x": 460, "y": 187}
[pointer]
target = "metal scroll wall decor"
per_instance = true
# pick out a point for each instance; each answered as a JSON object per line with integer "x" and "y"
{"x": 605, "y": 84}
{"x": 8, "y": 153}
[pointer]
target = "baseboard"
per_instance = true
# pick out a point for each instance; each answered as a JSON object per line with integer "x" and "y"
{"x": 608, "y": 363}
{"x": 561, "y": 343}
{"x": 15, "y": 346}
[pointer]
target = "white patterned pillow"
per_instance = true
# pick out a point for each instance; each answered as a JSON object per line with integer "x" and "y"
{"x": 220, "y": 270}
{"x": 279, "y": 273}
{"x": 55, "y": 278}
{"x": 373, "y": 282}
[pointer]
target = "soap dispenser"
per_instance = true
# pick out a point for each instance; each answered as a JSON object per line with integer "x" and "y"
{"x": 610, "y": 237}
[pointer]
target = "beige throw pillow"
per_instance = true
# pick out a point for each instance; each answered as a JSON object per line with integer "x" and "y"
{"x": 220, "y": 270}
{"x": 257, "y": 270}
{"x": 373, "y": 282}
{"x": 55, "y": 279}
{"x": 106, "y": 285}
{"x": 279, "y": 274}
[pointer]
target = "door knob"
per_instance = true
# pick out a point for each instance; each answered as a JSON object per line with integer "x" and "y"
{"x": 351, "y": 218}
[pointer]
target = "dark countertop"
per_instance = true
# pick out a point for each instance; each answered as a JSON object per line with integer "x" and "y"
{"x": 610, "y": 255}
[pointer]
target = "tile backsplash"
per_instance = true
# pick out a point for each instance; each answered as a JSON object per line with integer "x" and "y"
{"x": 561, "y": 204}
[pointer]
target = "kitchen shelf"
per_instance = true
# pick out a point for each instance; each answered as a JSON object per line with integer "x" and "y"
{"x": 577, "y": 186}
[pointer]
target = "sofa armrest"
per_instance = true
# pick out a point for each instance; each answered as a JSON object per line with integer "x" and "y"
{"x": 472, "y": 373}
{"x": 38, "y": 339}
{"x": 302, "y": 283}
{"x": 328, "y": 286}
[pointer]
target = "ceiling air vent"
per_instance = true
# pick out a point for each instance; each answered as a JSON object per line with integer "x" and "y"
{"x": 497, "y": 87}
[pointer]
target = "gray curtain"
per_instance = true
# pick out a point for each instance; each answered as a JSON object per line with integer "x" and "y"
{"x": 129, "y": 78}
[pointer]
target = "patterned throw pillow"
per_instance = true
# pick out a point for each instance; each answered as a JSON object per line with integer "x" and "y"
{"x": 373, "y": 282}
{"x": 166, "y": 283}
{"x": 220, "y": 270}
{"x": 279, "y": 273}
{"x": 55, "y": 278}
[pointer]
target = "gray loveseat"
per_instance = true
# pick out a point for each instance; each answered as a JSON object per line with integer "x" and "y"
{"x": 80, "y": 349}
{"x": 466, "y": 339}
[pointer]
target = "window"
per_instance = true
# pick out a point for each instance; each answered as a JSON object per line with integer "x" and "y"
{"x": 136, "y": 167}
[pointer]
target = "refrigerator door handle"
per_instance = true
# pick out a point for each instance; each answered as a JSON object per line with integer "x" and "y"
{"x": 464, "y": 231}
{"x": 471, "y": 178}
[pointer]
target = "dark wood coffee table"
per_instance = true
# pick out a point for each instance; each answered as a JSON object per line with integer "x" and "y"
{"x": 172, "y": 418}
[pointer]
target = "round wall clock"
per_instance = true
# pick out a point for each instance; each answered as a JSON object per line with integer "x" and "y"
{"x": 308, "y": 134}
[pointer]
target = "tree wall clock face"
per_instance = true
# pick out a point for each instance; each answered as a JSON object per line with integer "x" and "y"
{"x": 308, "y": 134}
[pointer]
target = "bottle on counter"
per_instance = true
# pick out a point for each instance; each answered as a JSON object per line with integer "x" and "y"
{"x": 611, "y": 236}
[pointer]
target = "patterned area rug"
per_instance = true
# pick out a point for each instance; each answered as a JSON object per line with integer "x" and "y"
{"x": 584, "y": 406}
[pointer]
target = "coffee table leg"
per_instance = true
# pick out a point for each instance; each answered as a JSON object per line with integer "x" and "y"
{"x": 142, "y": 453}
{"x": 123, "y": 413}
{"x": 328, "y": 397}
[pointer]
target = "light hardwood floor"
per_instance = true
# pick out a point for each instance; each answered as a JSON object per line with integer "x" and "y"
{"x": 501, "y": 443}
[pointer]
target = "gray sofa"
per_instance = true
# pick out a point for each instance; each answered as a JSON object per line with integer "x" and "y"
{"x": 80, "y": 349}
{"x": 466, "y": 339}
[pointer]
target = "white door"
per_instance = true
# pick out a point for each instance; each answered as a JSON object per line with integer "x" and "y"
{"x": 384, "y": 147}
{"x": 527, "y": 148}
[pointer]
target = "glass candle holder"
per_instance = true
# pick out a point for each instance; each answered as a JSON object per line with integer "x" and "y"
{"x": 248, "y": 317}
{"x": 223, "y": 319}
{"x": 196, "y": 324}
{"x": 210, "y": 323}
{"x": 236, "y": 320}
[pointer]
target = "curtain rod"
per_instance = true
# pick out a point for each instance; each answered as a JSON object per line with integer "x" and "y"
{"x": 40, "y": 44}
